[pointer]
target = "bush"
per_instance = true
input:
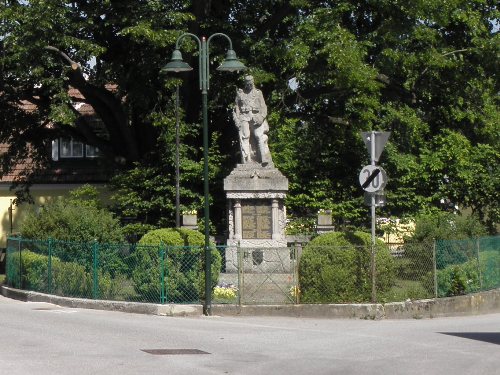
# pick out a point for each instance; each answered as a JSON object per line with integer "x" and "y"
{"x": 458, "y": 280}
{"x": 67, "y": 221}
{"x": 445, "y": 226}
{"x": 183, "y": 271}
{"x": 68, "y": 279}
{"x": 335, "y": 267}
{"x": 75, "y": 223}
{"x": 135, "y": 231}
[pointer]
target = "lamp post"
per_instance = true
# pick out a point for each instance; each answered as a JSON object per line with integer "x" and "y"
{"x": 230, "y": 64}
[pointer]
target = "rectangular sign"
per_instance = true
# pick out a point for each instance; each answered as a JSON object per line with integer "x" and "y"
{"x": 256, "y": 217}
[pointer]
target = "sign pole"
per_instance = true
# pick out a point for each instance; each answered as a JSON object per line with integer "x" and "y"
{"x": 373, "y": 157}
{"x": 373, "y": 179}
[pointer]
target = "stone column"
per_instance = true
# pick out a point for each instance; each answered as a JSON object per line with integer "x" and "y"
{"x": 275, "y": 218}
{"x": 237, "y": 220}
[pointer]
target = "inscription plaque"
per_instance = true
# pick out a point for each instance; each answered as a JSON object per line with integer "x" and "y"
{"x": 256, "y": 217}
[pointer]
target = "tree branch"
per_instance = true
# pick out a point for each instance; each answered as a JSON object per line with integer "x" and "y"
{"x": 107, "y": 106}
{"x": 271, "y": 23}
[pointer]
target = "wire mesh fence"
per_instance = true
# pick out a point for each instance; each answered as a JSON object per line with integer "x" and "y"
{"x": 120, "y": 272}
{"x": 344, "y": 274}
{"x": 259, "y": 276}
{"x": 414, "y": 275}
{"x": 288, "y": 275}
{"x": 467, "y": 266}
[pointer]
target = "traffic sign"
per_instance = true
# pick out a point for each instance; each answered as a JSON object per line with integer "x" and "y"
{"x": 380, "y": 139}
{"x": 372, "y": 178}
{"x": 380, "y": 198}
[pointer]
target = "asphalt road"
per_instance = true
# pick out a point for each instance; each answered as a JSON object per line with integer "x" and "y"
{"x": 39, "y": 338}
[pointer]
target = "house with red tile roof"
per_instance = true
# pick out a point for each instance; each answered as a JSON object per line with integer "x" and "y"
{"x": 72, "y": 164}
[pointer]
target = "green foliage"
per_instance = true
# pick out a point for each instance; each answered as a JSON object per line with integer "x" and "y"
{"x": 490, "y": 268}
{"x": 450, "y": 169}
{"x": 445, "y": 226}
{"x": 466, "y": 266}
{"x": 424, "y": 70}
{"x": 407, "y": 289}
{"x": 177, "y": 256}
{"x": 85, "y": 195}
{"x": 74, "y": 225}
{"x": 98, "y": 38}
{"x": 335, "y": 267}
{"x": 164, "y": 236}
{"x": 457, "y": 280}
{"x": 72, "y": 219}
{"x": 67, "y": 278}
{"x": 134, "y": 232}
{"x": 146, "y": 193}
{"x": 301, "y": 225}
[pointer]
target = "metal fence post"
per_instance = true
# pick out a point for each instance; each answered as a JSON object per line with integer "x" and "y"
{"x": 20, "y": 263}
{"x": 374, "y": 277}
{"x": 163, "y": 296}
{"x": 49, "y": 266}
{"x": 296, "y": 273}
{"x": 95, "y": 248}
{"x": 240, "y": 272}
{"x": 479, "y": 264}
{"x": 434, "y": 261}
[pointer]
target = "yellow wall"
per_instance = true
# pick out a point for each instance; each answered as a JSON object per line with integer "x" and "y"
{"x": 42, "y": 194}
{"x": 395, "y": 232}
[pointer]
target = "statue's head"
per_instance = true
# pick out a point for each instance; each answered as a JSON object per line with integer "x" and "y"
{"x": 249, "y": 81}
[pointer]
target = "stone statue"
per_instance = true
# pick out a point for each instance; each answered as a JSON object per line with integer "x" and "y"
{"x": 249, "y": 115}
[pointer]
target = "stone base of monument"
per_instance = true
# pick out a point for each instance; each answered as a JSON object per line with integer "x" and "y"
{"x": 259, "y": 257}
{"x": 256, "y": 219}
{"x": 261, "y": 288}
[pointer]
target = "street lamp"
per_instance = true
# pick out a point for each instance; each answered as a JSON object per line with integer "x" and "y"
{"x": 230, "y": 64}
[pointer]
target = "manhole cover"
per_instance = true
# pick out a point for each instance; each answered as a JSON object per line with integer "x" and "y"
{"x": 173, "y": 351}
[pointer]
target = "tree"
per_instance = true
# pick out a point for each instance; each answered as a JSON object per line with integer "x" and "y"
{"x": 414, "y": 68}
{"x": 425, "y": 70}
{"x": 109, "y": 51}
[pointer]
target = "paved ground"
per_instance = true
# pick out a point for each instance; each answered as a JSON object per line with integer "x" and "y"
{"x": 40, "y": 338}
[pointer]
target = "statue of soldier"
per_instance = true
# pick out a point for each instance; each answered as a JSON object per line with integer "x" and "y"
{"x": 249, "y": 115}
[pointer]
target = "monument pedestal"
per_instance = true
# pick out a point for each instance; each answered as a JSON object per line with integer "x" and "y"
{"x": 256, "y": 216}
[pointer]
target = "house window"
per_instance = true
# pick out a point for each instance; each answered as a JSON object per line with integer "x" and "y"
{"x": 66, "y": 148}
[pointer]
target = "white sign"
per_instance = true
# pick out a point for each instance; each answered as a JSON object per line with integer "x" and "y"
{"x": 372, "y": 178}
{"x": 379, "y": 138}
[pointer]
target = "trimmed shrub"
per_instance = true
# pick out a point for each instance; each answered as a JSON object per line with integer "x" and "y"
{"x": 177, "y": 256}
{"x": 134, "y": 232}
{"x": 335, "y": 267}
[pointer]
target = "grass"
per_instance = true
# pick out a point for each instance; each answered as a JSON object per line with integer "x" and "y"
{"x": 405, "y": 289}
{"x": 2, "y": 279}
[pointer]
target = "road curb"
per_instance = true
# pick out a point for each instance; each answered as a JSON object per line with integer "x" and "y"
{"x": 472, "y": 304}
{"x": 83, "y": 303}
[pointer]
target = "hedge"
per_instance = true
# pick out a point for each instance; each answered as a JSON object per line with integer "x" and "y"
{"x": 182, "y": 267}
{"x": 335, "y": 267}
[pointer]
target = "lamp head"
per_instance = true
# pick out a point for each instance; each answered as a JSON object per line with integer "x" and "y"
{"x": 231, "y": 63}
{"x": 176, "y": 64}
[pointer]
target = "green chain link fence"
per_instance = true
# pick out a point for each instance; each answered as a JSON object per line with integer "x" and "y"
{"x": 121, "y": 272}
{"x": 166, "y": 274}
{"x": 467, "y": 266}
{"x": 344, "y": 274}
